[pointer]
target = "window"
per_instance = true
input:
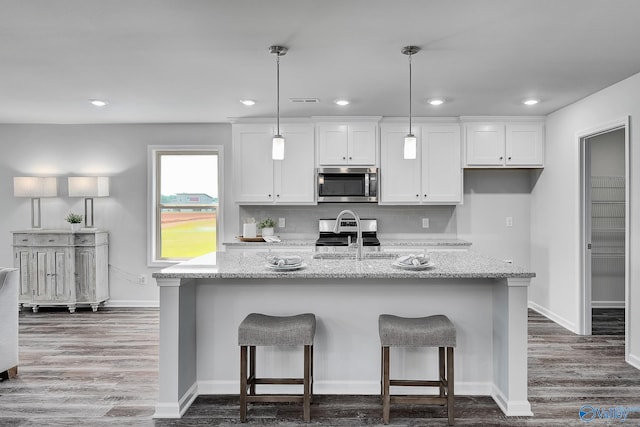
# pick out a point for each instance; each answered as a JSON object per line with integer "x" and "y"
{"x": 185, "y": 217}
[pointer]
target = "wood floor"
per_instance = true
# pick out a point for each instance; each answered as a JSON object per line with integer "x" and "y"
{"x": 100, "y": 369}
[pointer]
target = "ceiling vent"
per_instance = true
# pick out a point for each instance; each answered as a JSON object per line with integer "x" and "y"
{"x": 305, "y": 100}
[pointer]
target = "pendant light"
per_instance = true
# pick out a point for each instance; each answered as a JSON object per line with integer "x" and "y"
{"x": 277, "y": 149}
{"x": 410, "y": 141}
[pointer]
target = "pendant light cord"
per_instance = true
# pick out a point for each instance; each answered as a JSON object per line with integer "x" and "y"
{"x": 278, "y": 93}
{"x": 410, "y": 95}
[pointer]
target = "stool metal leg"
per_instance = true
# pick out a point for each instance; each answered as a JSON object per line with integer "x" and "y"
{"x": 243, "y": 384}
{"x": 450, "y": 392}
{"x": 386, "y": 398}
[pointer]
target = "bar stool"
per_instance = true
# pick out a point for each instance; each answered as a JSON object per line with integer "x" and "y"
{"x": 263, "y": 330}
{"x": 432, "y": 331}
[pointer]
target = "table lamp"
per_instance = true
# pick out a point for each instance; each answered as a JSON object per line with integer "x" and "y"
{"x": 35, "y": 187}
{"x": 88, "y": 187}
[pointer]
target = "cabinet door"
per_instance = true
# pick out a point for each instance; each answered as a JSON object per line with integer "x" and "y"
{"x": 85, "y": 282}
{"x": 51, "y": 275}
{"x": 362, "y": 144}
{"x": 484, "y": 144}
{"x": 525, "y": 145}
{"x": 399, "y": 178}
{"x": 333, "y": 141}
{"x": 441, "y": 164}
{"x": 22, "y": 261}
{"x": 294, "y": 180}
{"x": 253, "y": 166}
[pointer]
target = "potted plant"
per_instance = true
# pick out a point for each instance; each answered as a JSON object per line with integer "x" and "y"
{"x": 75, "y": 220}
{"x": 267, "y": 225}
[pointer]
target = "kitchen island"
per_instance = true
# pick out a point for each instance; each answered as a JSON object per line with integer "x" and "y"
{"x": 203, "y": 301}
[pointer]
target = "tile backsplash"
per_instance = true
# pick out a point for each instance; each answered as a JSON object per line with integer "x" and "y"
{"x": 393, "y": 221}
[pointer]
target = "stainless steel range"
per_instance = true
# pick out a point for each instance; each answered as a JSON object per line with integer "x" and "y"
{"x": 330, "y": 241}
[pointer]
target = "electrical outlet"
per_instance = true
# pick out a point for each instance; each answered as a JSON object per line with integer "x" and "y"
{"x": 425, "y": 222}
{"x": 508, "y": 261}
{"x": 142, "y": 279}
{"x": 281, "y": 223}
{"x": 508, "y": 222}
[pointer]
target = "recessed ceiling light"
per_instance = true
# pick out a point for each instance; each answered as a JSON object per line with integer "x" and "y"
{"x": 98, "y": 102}
{"x": 530, "y": 101}
{"x": 341, "y": 102}
{"x": 436, "y": 101}
{"x": 248, "y": 102}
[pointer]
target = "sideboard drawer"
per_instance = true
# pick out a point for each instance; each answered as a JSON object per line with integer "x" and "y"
{"x": 37, "y": 239}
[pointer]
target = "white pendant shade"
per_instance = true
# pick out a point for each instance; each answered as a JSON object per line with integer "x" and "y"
{"x": 277, "y": 150}
{"x": 410, "y": 147}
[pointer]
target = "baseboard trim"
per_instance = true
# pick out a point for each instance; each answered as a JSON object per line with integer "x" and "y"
{"x": 511, "y": 408}
{"x": 177, "y": 410}
{"x": 571, "y": 326}
{"x": 607, "y": 304}
{"x": 132, "y": 303}
{"x": 340, "y": 387}
{"x": 634, "y": 361}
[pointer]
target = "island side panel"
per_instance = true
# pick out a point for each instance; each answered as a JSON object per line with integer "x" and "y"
{"x": 347, "y": 346}
{"x": 510, "y": 346}
{"x": 177, "y": 368}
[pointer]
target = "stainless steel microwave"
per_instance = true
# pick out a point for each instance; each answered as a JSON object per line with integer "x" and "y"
{"x": 339, "y": 185}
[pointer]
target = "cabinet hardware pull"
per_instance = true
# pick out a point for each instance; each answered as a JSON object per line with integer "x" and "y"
{"x": 350, "y": 158}
{"x": 25, "y": 240}
{"x": 51, "y": 240}
{"x": 501, "y": 157}
{"x": 277, "y": 195}
{"x": 344, "y": 158}
{"x": 425, "y": 195}
{"x": 269, "y": 195}
{"x": 508, "y": 158}
{"x": 417, "y": 195}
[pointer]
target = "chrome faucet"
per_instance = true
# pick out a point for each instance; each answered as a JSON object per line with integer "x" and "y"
{"x": 336, "y": 229}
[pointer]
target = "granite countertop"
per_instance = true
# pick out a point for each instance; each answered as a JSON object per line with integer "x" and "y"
{"x": 447, "y": 265}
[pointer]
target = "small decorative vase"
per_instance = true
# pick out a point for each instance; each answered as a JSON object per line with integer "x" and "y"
{"x": 267, "y": 231}
{"x": 75, "y": 227}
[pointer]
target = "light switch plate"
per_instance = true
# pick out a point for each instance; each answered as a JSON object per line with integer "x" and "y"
{"x": 425, "y": 222}
{"x": 281, "y": 223}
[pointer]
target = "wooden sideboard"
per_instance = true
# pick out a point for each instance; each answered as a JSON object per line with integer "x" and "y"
{"x": 60, "y": 267}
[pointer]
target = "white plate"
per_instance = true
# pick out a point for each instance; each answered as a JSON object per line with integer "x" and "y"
{"x": 285, "y": 267}
{"x": 414, "y": 267}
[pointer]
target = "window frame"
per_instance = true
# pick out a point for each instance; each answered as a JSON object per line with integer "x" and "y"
{"x": 153, "y": 197}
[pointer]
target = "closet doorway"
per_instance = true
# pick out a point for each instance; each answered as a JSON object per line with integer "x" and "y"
{"x": 605, "y": 229}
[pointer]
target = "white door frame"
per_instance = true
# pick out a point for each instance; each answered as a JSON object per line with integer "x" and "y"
{"x": 585, "y": 222}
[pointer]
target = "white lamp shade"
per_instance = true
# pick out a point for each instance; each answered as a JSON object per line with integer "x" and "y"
{"x": 88, "y": 186}
{"x": 277, "y": 152}
{"x": 35, "y": 186}
{"x": 410, "y": 147}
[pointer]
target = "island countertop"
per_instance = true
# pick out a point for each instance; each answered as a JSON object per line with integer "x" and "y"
{"x": 447, "y": 265}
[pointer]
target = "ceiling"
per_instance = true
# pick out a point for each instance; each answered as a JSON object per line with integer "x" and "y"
{"x": 177, "y": 61}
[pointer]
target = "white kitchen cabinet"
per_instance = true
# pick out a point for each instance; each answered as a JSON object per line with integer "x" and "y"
{"x": 515, "y": 145}
{"x": 351, "y": 144}
{"x": 260, "y": 180}
{"x": 434, "y": 177}
{"x": 58, "y": 267}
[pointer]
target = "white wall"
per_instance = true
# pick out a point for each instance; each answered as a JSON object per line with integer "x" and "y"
{"x": 118, "y": 151}
{"x": 555, "y": 207}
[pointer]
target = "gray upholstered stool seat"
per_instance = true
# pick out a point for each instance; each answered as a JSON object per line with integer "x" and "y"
{"x": 432, "y": 331}
{"x": 263, "y": 330}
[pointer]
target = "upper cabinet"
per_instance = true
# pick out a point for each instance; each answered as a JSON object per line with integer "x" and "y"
{"x": 434, "y": 177}
{"x": 504, "y": 144}
{"x": 260, "y": 180}
{"x": 347, "y": 143}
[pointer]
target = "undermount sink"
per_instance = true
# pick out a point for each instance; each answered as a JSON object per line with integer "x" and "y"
{"x": 345, "y": 255}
